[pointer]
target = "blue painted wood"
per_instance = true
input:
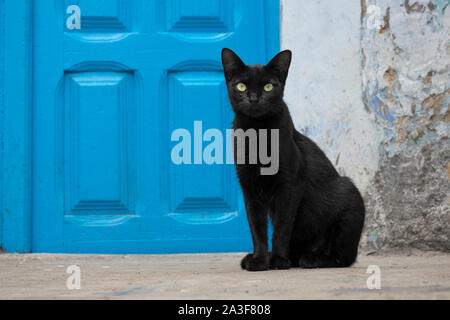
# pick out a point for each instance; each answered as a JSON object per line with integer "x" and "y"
{"x": 16, "y": 143}
{"x": 2, "y": 55}
{"x": 107, "y": 98}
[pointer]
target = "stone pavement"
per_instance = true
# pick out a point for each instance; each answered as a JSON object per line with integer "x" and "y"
{"x": 218, "y": 276}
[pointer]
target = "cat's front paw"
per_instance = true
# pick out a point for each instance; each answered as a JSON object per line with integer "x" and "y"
{"x": 253, "y": 263}
{"x": 277, "y": 262}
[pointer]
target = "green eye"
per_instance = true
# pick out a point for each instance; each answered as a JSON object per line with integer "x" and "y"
{"x": 241, "y": 87}
{"x": 268, "y": 87}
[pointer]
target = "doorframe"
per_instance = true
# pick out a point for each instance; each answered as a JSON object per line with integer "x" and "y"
{"x": 273, "y": 27}
{"x": 16, "y": 97}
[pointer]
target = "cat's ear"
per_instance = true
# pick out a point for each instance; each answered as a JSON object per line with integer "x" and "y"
{"x": 231, "y": 63}
{"x": 280, "y": 64}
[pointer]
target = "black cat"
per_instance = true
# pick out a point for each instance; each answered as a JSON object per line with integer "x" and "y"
{"x": 317, "y": 215}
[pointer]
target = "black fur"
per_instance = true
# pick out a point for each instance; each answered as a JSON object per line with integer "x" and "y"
{"x": 317, "y": 215}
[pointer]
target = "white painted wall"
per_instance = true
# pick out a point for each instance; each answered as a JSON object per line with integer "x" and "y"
{"x": 323, "y": 90}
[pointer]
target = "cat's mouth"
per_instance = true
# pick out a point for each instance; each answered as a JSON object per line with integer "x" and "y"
{"x": 254, "y": 110}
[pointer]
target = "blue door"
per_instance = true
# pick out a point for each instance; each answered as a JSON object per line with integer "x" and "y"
{"x": 108, "y": 92}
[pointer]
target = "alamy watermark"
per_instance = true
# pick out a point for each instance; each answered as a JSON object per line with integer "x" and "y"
{"x": 257, "y": 142}
{"x": 374, "y": 280}
{"x": 73, "y": 282}
{"x": 74, "y": 20}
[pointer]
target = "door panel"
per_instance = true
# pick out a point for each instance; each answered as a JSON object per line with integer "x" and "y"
{"x": 207, "y": 16}
{"x": 107, "y": 98}
{"x": 200, "y": 188}
{"x": 103, "y": 16}
{"x": 99, "y": 155}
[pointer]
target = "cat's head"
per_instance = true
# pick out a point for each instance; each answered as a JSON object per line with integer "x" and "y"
{"x": 254, "y": 90}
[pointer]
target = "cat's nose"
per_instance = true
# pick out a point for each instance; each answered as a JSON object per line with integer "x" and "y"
{"x": 253, "y": 98}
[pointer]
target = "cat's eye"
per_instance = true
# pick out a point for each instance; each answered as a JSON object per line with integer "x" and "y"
{"x": 268, "y": 87}
{"x": 241, "y": 87}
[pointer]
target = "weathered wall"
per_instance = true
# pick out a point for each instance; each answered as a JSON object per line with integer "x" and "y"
{"x": 405, "y": 70}
{"x": 2, "y": 37}
{"x": 373, "y": 92}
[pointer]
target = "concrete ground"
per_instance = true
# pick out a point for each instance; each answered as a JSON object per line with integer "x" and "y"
{"x": 218, "y": 276}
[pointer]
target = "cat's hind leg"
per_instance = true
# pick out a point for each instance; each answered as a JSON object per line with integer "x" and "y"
{"x": 340, "y": 252}
{"x": 314, "y": 260}
{"x": 341, "y": 246}
{"x": 341, "y": 255}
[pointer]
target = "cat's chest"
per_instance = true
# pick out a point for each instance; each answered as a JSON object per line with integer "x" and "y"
{"x": 251, "y": 179}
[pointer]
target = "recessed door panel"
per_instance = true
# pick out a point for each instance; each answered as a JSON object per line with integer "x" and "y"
{"x": 98, "y": 156}
{"x": 198, "y": 104}
{"x": 207, "y": 16}
{"x": 102, "y": 16}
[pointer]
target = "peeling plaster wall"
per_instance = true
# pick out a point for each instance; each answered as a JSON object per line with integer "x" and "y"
{"x": 406, "y": 83}
{"x": 376, "y": 100}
